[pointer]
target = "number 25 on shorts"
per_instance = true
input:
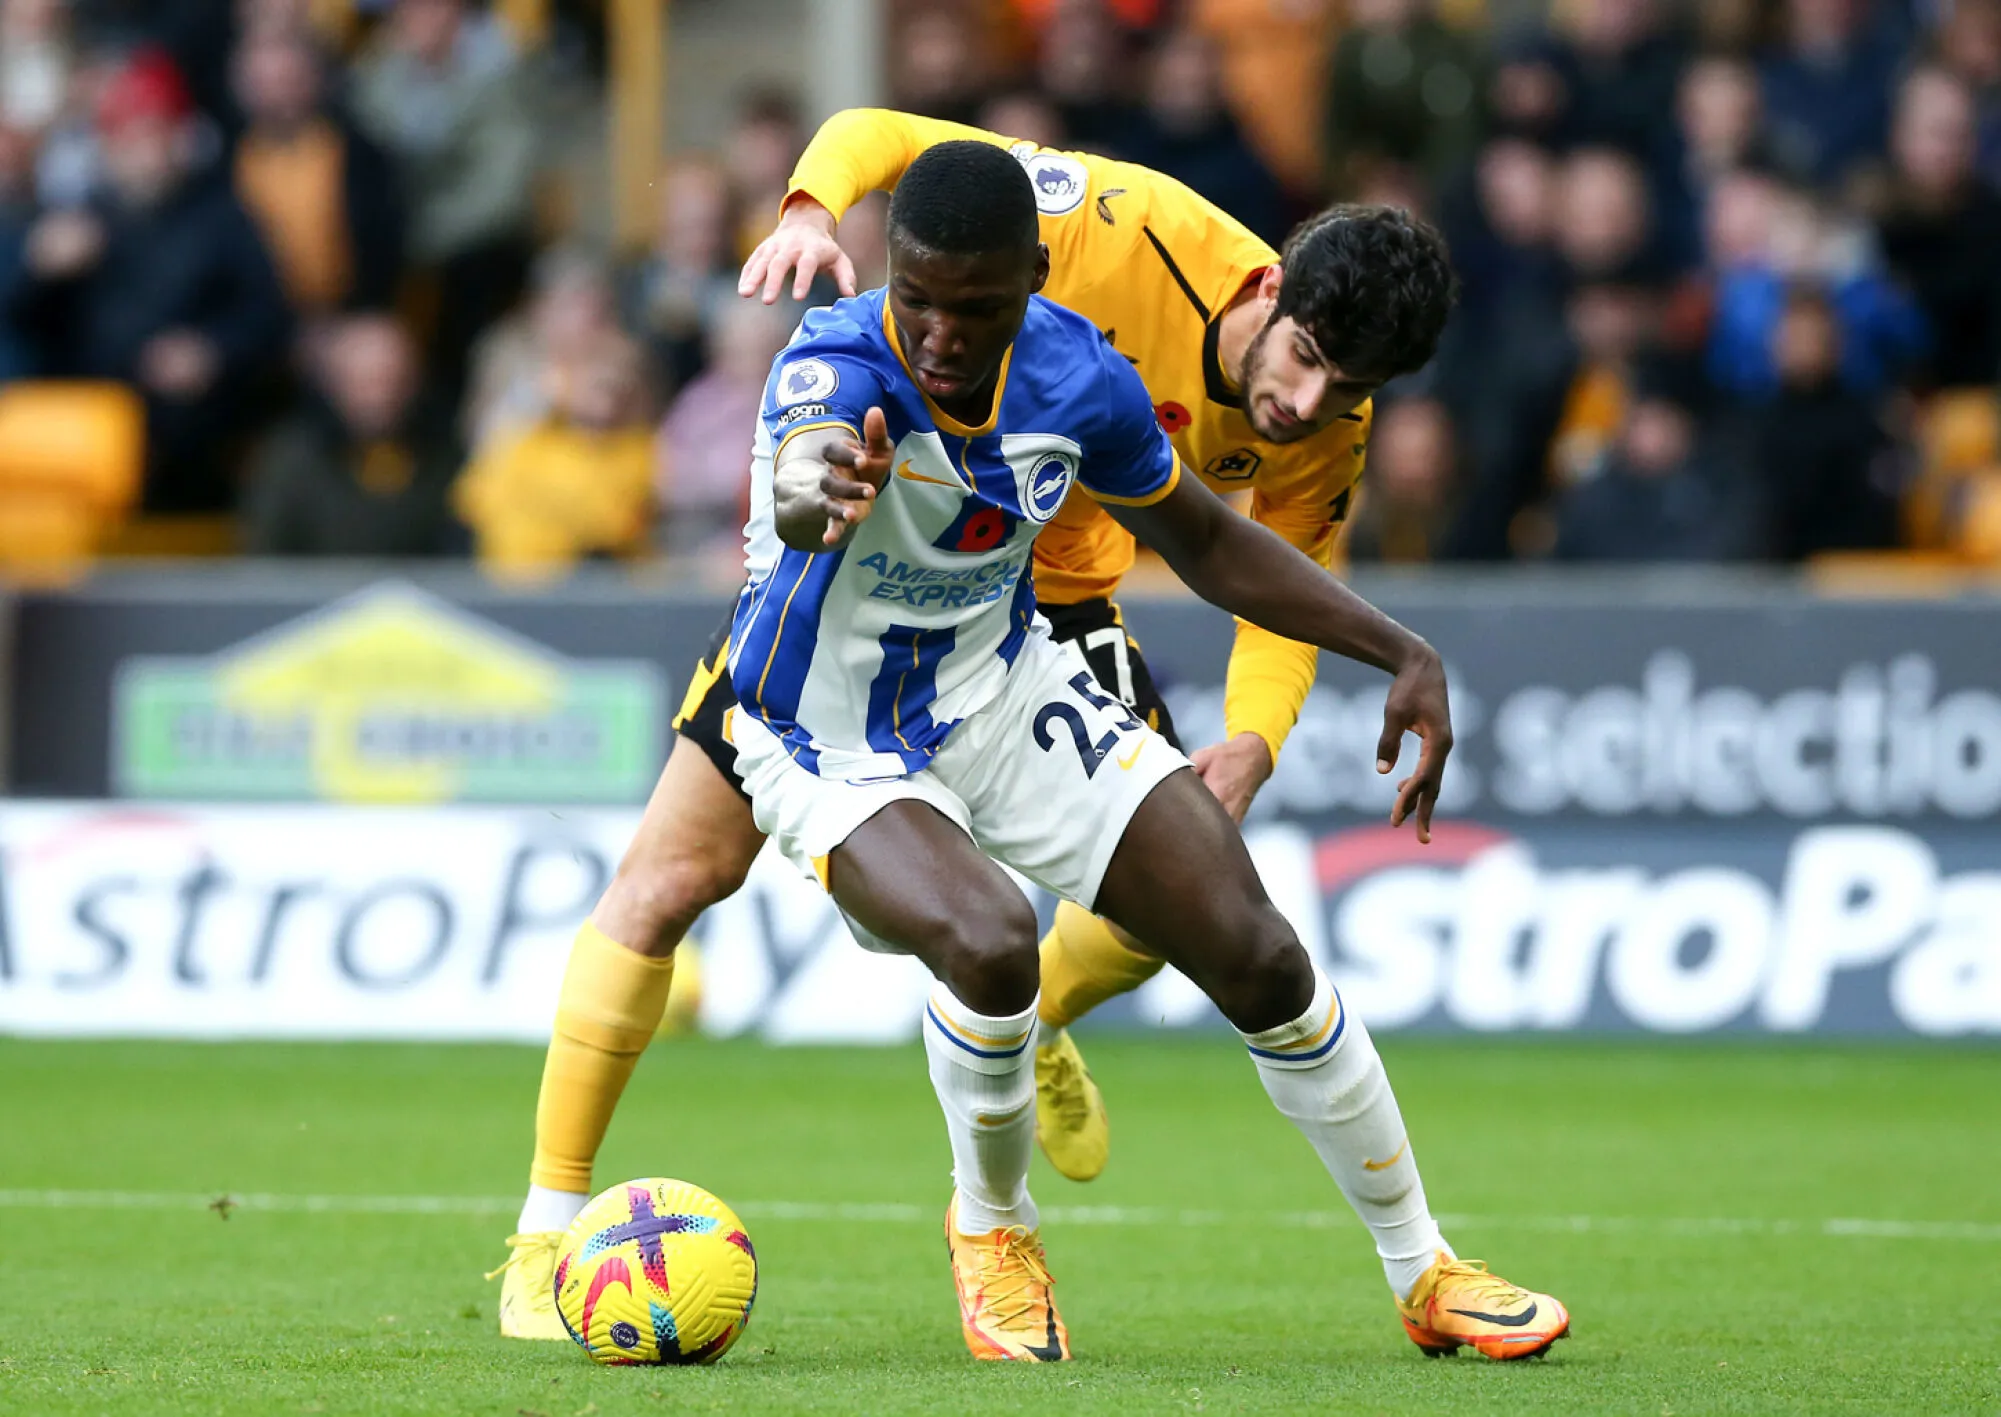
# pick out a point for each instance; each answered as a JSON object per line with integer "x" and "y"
{"x": 1089, "y": 753}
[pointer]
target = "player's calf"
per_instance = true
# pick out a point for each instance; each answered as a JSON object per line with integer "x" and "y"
{"x": 694, "y": 846}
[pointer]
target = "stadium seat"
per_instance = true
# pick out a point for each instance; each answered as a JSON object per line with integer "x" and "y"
{"x": 173, "y": 535}
{"x": 1960, "y": 431}
{"x": 71, "y": 459}
{"x": 1886, "y": 575}
{"x": 1959, "y": 444}
{"x": 1979, "y": 522}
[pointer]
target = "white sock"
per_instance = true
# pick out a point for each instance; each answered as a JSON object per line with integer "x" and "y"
{"x": 1322, "y": 1070}
{"x": 549, "y": 1210}
{"x": 984, "y": 1071}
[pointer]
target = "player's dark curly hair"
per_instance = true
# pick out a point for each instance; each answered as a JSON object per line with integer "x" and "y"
{"x": 965, "y": 198}
{"x": 1372, "y": 285}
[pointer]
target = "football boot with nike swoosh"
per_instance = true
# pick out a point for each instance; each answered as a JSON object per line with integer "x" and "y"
{"x": 1005, "y": 1306}
{"x": 1458, "y": 1302}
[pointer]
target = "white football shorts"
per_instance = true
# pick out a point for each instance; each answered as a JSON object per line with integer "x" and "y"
{"x": 1044, "y": 779}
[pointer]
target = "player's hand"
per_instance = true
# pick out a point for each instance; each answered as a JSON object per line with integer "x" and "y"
{"x": 855, "y": 473}
{"x": 1417, "y": 704}
{"x": 804, "y": 244}
{"x": 1234, "y": 770}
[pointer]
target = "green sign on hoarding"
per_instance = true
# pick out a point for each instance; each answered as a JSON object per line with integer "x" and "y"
{"x": 391, "y": 696}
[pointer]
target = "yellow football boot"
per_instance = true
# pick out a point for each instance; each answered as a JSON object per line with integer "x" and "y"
{"x": 528, "y": 1294}
{"x": 1457, "y": 1302}
{"x": 1070, "y": 1121}
{"x": 1005, "y": 1306}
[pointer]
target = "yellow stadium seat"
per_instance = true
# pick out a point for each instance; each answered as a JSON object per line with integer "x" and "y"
{"x": 176, "y": 534}
{"x": 1960, "y": 430}
{"x": 1886, "y": 575}
{"x": 1979, "y": 530}
{"x": 71, "y": 459}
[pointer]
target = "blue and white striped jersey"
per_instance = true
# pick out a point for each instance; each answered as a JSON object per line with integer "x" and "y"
{"x": 863, "y": 659}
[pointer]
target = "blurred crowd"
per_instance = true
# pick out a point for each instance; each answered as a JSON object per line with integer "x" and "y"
{"x": 1730, "y": 270}
{"x": 309, "y": 238}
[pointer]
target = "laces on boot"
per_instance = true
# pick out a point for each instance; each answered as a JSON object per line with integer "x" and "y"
{"x": 521, "y": 1245}
{"x": 1486, "y": 1288}
{"x": 1066, "y": 1084}
{"x": 1018, "y": 1272}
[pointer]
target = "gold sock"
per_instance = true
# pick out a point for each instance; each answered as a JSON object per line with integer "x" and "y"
{"x": 1084, "y": 963}
{"x": 610, "y": 1005}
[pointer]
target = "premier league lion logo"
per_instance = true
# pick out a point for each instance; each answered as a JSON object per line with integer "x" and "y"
{"x": 1060, "y": 181}
{"x": 1054, "y": 182}
{"x": 805, "y": 379}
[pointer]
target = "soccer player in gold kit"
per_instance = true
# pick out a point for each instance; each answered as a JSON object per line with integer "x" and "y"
{"x": 1261, "y": 365}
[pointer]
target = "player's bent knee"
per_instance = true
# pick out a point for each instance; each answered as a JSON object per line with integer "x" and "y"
{"x": 1268, "y": 979}
{"x": 986, "y": 954}
{"x": 659, "y": 900}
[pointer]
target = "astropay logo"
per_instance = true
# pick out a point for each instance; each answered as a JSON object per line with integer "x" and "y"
{"x": 1504, "y": 941}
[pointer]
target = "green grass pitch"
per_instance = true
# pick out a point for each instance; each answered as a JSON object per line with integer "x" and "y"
{"x": 1695, "y": 1205}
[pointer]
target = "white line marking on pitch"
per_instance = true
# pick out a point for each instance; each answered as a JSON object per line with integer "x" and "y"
{"x": 893, "y": 1213}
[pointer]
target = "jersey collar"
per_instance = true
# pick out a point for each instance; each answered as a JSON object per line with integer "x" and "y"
{"x": 945, "y": 422}
{"x": 1215, "y": 383}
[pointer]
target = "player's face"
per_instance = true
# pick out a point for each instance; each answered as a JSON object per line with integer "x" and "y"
{"x": 957, "y": 315}
{"x": 1290, "y": 390}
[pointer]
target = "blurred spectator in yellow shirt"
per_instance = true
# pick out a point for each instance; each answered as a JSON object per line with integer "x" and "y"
{"x": 574, "y": 485}
{"x": 323, "y": 196}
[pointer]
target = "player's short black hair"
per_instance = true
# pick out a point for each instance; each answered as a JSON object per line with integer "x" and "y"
{"x": 965, "y": 198}
{"x": 1372, "y": 285}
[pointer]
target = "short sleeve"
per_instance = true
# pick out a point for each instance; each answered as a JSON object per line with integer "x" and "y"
{"x": 1130, "y": 461}
{"x": 821, "y": 380}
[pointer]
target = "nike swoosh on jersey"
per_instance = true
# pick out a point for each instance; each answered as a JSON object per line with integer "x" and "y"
{"x": 1397, "y": 1155}
{"x": 1504, "y": 1320}
{"x": 905, "y": 472}
{"x": 1129, "y": 759}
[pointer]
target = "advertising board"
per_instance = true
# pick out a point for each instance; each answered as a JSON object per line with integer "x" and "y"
{"x": 358, "y": 922}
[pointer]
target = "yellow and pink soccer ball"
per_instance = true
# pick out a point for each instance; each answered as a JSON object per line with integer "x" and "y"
{"x": 656, "y": 1271}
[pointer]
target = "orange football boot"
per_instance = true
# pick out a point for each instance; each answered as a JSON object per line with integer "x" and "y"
{"x": 1458, "y": 1302}
{"x": 1005, "y": 1306}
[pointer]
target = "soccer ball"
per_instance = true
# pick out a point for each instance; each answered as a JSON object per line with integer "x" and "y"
{"x": 655, "y": 1271}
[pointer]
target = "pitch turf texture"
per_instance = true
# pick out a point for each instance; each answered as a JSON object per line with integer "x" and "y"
{"x": 1699, "y": 1209}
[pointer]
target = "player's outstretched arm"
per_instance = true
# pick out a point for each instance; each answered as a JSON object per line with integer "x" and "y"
{"x": 855, "y": 152}
{"x": 824, "y": 486}
{"x": 1250, "y": 571}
